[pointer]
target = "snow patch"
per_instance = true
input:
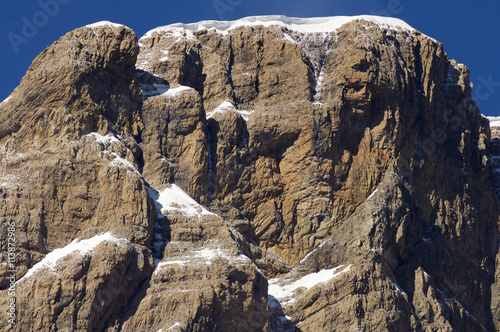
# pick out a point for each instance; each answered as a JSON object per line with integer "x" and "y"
{"x": 153, "y": 90}
{"x": 144, "y": 65}
{"x": 122, "y": 162}
{"x": 310, "y": 253}
{"x": 244, "y": 114}
{"x": 6, "y": 100}
{"x": 319, "y": 83}
{"x": 288, "y": 38}
{"x": 398, "y": 288}
{"x": 165, "y": 58}
{"x": 494, "y": 121}
{"x": 161, "y": 264}
{"x": 174, "y": 200}
{"x": 162, "y": 89}
{"x": 175, "y": 325}
{"x": 227, "y": 106}
{"x": 108, "y": 139}
{"x": 209, "y": 254}
{"x": 307, "y": 256}
{"x": 285, "y": 292}
{"x": 9, "y": 180}
{"x": 306, "y": 25}
{"x": 372, "y": 194}
{"x": 83, "y": 247}
{"x": 105, "y": 24}
{"x": 10, "y": 155}
{"x": 175, "y": 91}
{"x": 204, "y": 255}
{"x": 171, "y": 31}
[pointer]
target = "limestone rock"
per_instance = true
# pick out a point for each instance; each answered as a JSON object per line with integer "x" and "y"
{"x": 81, "y": 292}
{"x": 255, "y": 177}
{"x": 200, "y": 286}
{"x": 70, "y": 168}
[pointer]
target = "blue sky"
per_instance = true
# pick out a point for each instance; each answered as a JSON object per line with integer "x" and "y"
{"x": 470, "y": 31}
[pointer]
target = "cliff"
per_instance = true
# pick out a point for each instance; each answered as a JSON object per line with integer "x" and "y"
{"x": 267, "y": 174}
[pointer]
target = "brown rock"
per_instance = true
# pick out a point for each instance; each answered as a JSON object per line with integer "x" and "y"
{"x": 66, "y": 177}
{"x": 358, "y": 155}
{"x": 80, "y": 293}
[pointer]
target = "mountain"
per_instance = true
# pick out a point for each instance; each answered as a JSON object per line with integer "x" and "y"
{"x": 265, "y": 174}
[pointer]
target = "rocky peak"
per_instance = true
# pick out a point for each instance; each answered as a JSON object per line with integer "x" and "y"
{"x": 269, "y": 173}
{"x": 87, "y": 78}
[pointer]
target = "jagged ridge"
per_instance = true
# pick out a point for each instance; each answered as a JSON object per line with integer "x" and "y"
{"x": 340, "y": 148}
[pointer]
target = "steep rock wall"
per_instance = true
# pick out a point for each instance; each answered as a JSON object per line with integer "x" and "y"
{"x": 356, "y": 153}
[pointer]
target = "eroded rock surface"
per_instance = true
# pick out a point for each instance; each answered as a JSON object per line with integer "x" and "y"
{"x": 259, "y": 178}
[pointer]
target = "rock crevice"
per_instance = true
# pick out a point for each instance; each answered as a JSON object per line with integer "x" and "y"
{"x": 263, "y": 177}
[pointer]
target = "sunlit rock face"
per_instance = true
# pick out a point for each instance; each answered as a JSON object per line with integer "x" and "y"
{"x": 265, "y": 174}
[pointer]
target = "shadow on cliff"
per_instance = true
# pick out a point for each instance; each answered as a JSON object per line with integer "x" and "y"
{"x": 279, "y": 321}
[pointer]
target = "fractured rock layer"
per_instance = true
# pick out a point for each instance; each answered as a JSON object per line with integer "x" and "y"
{"x": 261, "y": 178}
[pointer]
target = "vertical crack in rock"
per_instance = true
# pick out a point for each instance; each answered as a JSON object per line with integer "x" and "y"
{"x": 317, "y": 48}
{"x": 295, "y": 133}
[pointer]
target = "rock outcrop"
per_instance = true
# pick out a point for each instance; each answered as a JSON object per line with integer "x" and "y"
{"x": 255, "y": 176}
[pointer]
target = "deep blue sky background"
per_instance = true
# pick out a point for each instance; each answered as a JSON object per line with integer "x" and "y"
{"x": 470, "y": 31}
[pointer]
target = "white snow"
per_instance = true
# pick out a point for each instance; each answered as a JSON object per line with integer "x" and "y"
{"x": 109, "y": 138}
{"x": 204, "y": 256}
{"x": 162, "y": 90}
{"x": 122, "y": 162}
{"x": 10, "y": 156}
{"x": 144, "y": 65}
{"x": 104, "y": 24}
{"x": 117, "y": 161}
{"x": 288, "y": 38}
{"x": 307, "y": 281}
{"x": 6, "y": 100}
{"x": 227, "y": 106}
{"x": 161, "y": 264}
{"x": 175, "y": 325}
{"x": 494, "y": 121}
{"x": 177, "y": 90}
{"x": 307, "y": 256}
{"x": 313, "y": 24}
{"x": 165, "y": 58}
{"x": 154, "y": 90}
{"x": 319, "y": 83}
{"x": 82, "y": 247}
{"x": 244, "y": 114}
{"x": 209, "y": 254}
{"x": 372, "y": 194}
{"x": 174, "y": 200}
{"x": 172, "y": 31}
{"x": 9, "y": 180}
{"x": 398, "y": 288}
{"x": 310, "y": 252}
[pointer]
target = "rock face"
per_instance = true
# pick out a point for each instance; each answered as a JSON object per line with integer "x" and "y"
{"x": 494, "y": 163}
{"x": 253, "y": 177}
